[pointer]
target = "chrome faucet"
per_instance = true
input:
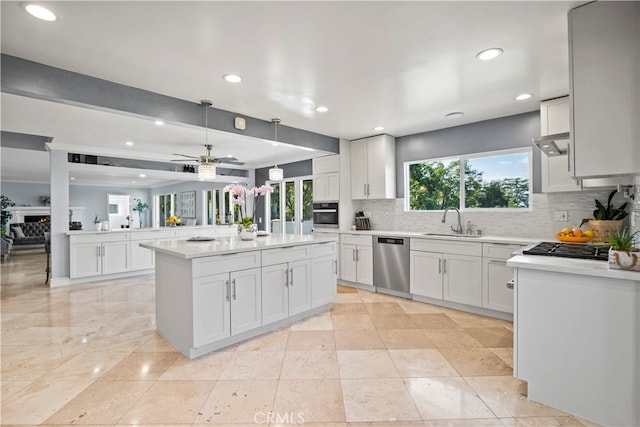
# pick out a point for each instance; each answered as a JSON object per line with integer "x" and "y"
{"x": 458, "y": 228}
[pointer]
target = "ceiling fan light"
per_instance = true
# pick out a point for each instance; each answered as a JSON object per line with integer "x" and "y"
{"x": 207, "y": 172}
{"x": 276, "y": 174}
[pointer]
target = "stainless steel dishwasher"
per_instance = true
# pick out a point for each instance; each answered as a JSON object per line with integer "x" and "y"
{"x": 391, "y": 265}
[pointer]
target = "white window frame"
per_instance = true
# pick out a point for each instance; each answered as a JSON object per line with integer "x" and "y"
{"x": 298, "y": 208}
{"x": 463, "y": 158}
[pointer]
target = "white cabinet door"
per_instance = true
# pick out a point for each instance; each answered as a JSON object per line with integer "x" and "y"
{"x": 495, "y": 294}
{"x": 359, "y": 169}
{"x": 332, "y": 186}
{"x": 324, "y": 272}
{"x": 319, "y": 187}
{"x": 275, "y": 293}
{"x": 115, "y": 257}
{"x": 462, "y": 279}
{"x": 425, "y": 277}
{"x": 381, "y": 168}
{"x": 364, "y": 265}
{"x": 554, "y": 118}
{"x": 211, "y": 309}
{"x": 299, "y": 286}
{"x": 246, "y": 300}
{"x": 348, "y": 264}
{"x": 605, "y": 88}
{"x": 141, "y": 258}
{"x": 86, "y": 260}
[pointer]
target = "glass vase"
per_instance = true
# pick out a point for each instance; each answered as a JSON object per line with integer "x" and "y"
{"x": 248, "y": 233}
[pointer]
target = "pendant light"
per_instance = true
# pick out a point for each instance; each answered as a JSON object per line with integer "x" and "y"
{"x": 276, "y": 173}
{"x": 207, "y": 168}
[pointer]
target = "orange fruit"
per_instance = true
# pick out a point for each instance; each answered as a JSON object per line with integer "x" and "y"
{"x": 577, "y": 232}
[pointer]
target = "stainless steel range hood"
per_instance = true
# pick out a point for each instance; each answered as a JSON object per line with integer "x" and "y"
{"x": 548, "y": 144}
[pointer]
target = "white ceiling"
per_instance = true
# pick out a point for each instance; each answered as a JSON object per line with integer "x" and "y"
{"x": 401, "y": 65}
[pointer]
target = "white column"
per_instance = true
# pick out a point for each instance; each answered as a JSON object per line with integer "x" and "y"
{"x": 59, "y": 171}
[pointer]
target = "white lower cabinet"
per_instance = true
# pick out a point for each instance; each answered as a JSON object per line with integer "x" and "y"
{"x": 496, "y": 294}
{"x": 226, "y": 304}
{"x": 356, "y": 259}
{"x": 286, "y": 290}
{"x": 95, "y": 255}
{"x": 451, "y": 271}
{"x": 142, "y": 258}
{"x": 323, "y": 270}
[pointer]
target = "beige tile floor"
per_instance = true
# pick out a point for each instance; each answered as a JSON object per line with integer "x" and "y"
{"x": 89, "y": 355}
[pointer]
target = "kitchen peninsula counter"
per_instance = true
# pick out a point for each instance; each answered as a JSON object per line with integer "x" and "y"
{"x": 211, "y": 294}
{"x": 577, "y": 336}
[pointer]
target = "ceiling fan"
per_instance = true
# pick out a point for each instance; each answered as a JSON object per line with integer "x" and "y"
{"x": 208, "y": 158}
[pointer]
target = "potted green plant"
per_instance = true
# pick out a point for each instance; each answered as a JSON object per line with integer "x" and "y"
{"x": 5, "y": 203}
{"x": 623, "y": 254}
{"x": 97, "y": 223}
{"x": 606, "y": 218}
{"x": 140, "y": 207}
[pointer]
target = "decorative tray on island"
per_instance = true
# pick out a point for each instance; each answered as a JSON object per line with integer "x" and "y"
{"x": 200, "y": 239}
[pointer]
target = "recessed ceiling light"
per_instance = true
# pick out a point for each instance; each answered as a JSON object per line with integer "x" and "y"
{"x": 72, "y": 178}
{"x": 142, "y": 175}
{"x": 39, "y": 12}
{"x": 488, "y": 54}
{"x": 322, "y": 109}
{"x": 232, "y": 78}
{"x": 158, "y": 122}
{"x": 378, "y": 128}
{"x": 454, "y": 115}
{"x": 133, "y": 182}
{"x": 523, "y": 96}
{"x": 129, "y": 143}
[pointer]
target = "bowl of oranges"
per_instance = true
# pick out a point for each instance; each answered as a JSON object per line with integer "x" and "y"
{"x": 574, "y": 235}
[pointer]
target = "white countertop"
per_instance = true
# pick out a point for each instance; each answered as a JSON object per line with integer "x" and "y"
{"x": 183, "y": 248}
{"x": 583, "y": 267}
{"x": 144, "y": 230}
{"x": 426, "y": 235}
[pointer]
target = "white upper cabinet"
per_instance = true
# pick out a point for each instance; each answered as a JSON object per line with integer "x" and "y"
{"x": 604, "y": 53}
{"x": 326, "y": 178}
{"x": 554, "y": 118}
{"x": 373, "y": 168}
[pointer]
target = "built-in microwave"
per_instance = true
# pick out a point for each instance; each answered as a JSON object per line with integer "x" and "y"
{"x": 325, "y": 215}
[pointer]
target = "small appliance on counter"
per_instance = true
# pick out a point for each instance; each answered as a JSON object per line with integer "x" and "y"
{"x": 362, "y": 222}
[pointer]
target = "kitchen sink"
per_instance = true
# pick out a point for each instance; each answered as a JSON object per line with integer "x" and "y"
{"x": 452, "y": 235}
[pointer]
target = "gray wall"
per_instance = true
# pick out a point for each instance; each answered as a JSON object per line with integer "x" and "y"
{"x": 25, "y": 193}
{"x": 94, "y": 201}
{"x": 489, "y": 135}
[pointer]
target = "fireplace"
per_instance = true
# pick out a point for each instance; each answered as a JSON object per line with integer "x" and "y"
{"x": 37, "y": 218}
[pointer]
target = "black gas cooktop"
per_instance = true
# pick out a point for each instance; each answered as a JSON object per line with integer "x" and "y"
{"x": 569, "y": 250}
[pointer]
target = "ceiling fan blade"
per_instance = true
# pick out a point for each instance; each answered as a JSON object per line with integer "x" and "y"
{"x": 185, "y": 160}
{"x": 230, "y": 161}
{"x": 184, "y": 155}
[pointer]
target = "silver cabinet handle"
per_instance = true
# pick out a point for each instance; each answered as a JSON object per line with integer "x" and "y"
{"x": 511, "y": 283}
{"x": 353, "y": 252}
{"x": 99, "y": 250}
{"x": 569, "y": 157}
{"x": 440, "y": 266}
{"x": 226, "y": 284}
{"x": 365, "y": 189}
{"x": 291, "y": 283}
{"x": 368, "y": 192}
{"x": 286, "y": 280}
{"x": 357, "y": 255}
{"x": 335, "y": 266}
{"x": 444, "y": 267}
{"x": 234, "y": 288}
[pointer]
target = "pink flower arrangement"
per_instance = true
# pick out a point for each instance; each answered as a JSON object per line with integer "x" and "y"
{"x": 240, "y": 193}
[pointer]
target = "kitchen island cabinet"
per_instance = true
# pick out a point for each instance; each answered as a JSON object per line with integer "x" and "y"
{"x": 213, "y": 294}
{"x": 577, "y": 337}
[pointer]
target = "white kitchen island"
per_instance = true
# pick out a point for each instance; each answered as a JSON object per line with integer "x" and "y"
{"x": 216, "y": 293}
{"x": 577, "y": 337}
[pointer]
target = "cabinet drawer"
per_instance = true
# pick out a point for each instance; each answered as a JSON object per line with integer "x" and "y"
{"x": 323, "y": 249}
{"x": 225, "y": 263}
{"x": 99, "y": 238}
{"x": 286, "y": 254}
{"x": 150, "y": 235}
{"x": 355, "y": 239}
{"x": 447, "y": 247}
{"x": 500, "y": 251}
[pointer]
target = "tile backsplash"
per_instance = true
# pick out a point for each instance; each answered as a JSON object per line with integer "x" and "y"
{"x": 535, "y": 223}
